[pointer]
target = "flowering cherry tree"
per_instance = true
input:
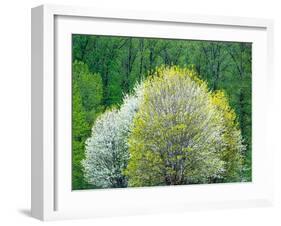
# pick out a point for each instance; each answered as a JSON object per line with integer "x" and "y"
{"x": 107, "y": 149}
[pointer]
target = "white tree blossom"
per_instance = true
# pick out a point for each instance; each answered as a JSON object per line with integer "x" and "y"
{"x": 107, "y": 149}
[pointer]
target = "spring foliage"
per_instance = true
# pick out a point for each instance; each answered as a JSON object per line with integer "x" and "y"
{"x": 90, "y": 86}
{"x": 107, "y": 67}
{"x": 107, "y": 149}
{"x": 234, "y": 148}
{"x": 87, "y": 95}
{"x": 172, "y": 130}
{"x": 81, "y": 130}
{"x": 183, "y": 133}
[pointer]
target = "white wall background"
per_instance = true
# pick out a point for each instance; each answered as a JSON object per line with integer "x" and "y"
{"x": 15, "y": 111}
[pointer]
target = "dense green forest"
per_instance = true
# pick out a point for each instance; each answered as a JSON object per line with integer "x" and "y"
{"x": 106, "y": 69}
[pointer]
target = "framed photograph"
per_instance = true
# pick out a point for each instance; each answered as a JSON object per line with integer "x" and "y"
{"x": 136, "y": 112}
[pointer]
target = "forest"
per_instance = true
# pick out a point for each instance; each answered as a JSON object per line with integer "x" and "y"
{"x": 151, "y": 111}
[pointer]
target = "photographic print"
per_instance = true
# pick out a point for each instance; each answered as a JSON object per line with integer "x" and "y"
{"x": 160, "y": 112}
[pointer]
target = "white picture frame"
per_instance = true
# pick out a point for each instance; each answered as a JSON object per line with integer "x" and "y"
{"x": 52, "y": 197}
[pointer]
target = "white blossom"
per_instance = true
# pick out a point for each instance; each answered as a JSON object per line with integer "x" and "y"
{"x": 106, "y": 151}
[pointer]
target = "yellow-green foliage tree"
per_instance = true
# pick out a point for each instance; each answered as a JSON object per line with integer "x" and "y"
{"x": 182, "y": 133}
{"x": 232, "y": 152}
